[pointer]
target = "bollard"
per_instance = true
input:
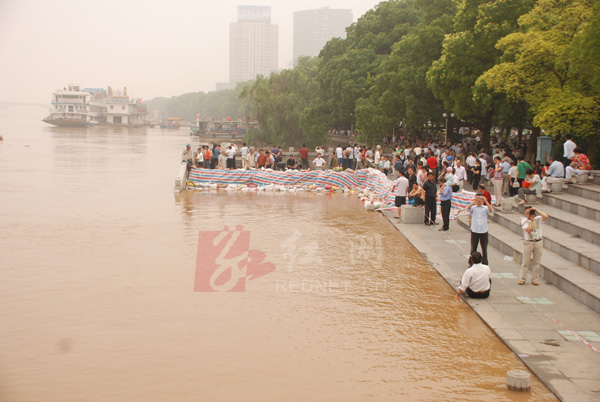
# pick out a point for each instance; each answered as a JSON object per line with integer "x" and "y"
{"x": 518, "y": 380}
{"x": 557, "y": 187}
{"x": 412, "y": 215}
{"x": 582, "y": 178}
{"x": 531, "y": 198}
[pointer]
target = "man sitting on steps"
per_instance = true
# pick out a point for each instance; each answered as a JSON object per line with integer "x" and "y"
{"x": 476, "y": 280}
{"x": 555, "y": 174}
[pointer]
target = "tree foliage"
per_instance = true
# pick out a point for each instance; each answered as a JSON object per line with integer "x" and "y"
{"x": 400, "y": 91}
{"x": 550, "y": 65}
{"x": 468, "y": 53}
{"x": 279, "y": 101}
{"x": 504, "y": 63}
{"x": 217, "y": 105}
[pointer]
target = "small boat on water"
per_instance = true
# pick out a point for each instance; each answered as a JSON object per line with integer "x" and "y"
{"x": 171, "y": 123}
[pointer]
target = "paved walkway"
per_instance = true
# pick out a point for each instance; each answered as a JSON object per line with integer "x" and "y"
{"x": 524, "y": 317}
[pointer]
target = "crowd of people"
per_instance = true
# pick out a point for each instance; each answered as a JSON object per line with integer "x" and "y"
{"x": 452, "y": 166}
{"x": 427, "y": 171}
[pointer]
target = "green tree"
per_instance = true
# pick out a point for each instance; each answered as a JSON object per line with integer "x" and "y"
{"x": 399, "y": 92}
{"x": 279, "y": 101}
{"x": 468, "y": 53}
{"x": 346, "y": 65}
{"x": 217, "y": 105}
{"x": 553, "y": 65}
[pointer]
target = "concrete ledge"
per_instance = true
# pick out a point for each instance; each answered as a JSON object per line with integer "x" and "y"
{"x": 411, "y": 214}
{"x": 589, "y": 191}
{"x": 567, "y": 368}
{"x": 584, "y": 254}
{"x": 572, "y": 279}
{"x": 572, "y": 224}
{"x": 181, "y": 179}
{"x": 575, "y": 205}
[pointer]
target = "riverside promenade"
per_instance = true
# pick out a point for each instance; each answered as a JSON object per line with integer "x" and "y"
{"x": 536, "y": 322}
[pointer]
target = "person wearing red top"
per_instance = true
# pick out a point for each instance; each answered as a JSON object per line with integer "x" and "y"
{"x": 262, "y": 159}
{"x": 484, "y": 193}
{"x": 581, "y": 165}
{"x": 207, "y": 156}
{"x": 433, "y": 163}
{"x": 304, "y": 156}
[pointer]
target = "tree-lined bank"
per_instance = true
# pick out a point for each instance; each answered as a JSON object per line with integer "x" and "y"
{"x": 507, "y": 64}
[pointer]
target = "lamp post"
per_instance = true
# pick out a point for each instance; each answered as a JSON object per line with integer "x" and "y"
{"x": 445, "y": 116}
{"x": 351, "y": 124}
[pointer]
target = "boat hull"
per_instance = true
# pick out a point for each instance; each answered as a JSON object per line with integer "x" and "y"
{"x": 66, "y": 123}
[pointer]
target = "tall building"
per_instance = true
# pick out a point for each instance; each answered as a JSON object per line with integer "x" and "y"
{"x": 314, "y": 28}
{"x": 253, "y": 44}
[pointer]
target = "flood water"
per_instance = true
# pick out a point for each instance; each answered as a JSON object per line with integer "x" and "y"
{"x": 98, "y": 263}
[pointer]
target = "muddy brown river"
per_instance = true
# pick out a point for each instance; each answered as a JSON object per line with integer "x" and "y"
{"x": 105, "y": 296}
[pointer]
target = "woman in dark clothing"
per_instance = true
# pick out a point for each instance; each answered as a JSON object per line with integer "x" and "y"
{"x": 476, "y": 170}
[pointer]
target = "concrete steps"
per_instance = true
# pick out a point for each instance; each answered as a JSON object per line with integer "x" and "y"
{"x": 587, "y": 191}
{"x": 570, "y": 247}
{"x": 579, "y": 283}
{"x": 595, "y": 179}
{"x": 572, "y": 224}
{"x": 576, "y": 205}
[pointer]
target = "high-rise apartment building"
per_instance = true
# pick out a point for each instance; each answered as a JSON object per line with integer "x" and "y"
{"x": 314, "y": 28}
{"x": 253, "y": 44}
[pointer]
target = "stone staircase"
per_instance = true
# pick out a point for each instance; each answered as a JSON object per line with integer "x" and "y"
{"x": 571, "y": 259}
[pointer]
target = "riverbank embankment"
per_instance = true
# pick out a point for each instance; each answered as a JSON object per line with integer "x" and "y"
{"x": 554, "y": 335}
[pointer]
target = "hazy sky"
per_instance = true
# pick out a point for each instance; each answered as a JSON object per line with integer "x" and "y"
{"x": 155, "y": 48}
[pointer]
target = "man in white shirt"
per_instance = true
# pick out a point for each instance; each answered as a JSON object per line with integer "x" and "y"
{"x": 368, "y": 157}
{"x": 417, "y": 150}
{"x": 470, "y": 161}
{"x": 385, "y": 165}
{"x": 555, "y": 174}
{"x": 251, "y": 159}
{"x": 319, "y": 162}
{"x": 339, "y": 154}
{"x": 476, "y": 280}
{"x": 359, "y": 164}
{"x": 461, "y": 174}
{"x": 484, "y": 172}
{"x": 377, "y": 157}
{"x": 400, "y": 191}
{"x": 244, "y": 152}
{"x": 479, "y": 224}
{"x": 199, "y": 158}
{"x": 533, "y": 243}
{"x": 568, "y": 148}
{"x": 230, "y": 158}
{"x": 433, "y": 147}
{"x": 350, "y": 157}
{"x": 187, "y": 155}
